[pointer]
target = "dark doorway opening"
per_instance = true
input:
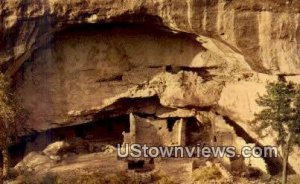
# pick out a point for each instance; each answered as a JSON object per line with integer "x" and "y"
{"x": 197, "y": 132}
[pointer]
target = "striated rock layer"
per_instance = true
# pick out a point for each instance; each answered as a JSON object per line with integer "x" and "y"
{"x": 265, "y": 34}
{"x": 76, "y": 60}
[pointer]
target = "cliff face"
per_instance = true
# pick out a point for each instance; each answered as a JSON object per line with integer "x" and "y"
{"x": 77, "y": 59}
{"x": 265, "y": 33}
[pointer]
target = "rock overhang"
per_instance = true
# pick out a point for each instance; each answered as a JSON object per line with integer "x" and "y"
{"x": 235, "y": 23}
{"x": 262, "y": 35}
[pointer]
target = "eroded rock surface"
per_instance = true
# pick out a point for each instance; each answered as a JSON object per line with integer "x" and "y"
{"x": 265, "y": 34}
{"x": 158, "y": 57}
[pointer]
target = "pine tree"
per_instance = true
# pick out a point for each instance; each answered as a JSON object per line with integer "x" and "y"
{"x": 8, "y": 126}
{"x": 281, "y": 112}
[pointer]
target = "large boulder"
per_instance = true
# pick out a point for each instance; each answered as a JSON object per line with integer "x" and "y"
{"x": 34, "y": 161}
{"x": 56, "y": 149}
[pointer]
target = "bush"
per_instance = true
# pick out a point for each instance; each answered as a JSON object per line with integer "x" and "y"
{"x": 50, "y": 178}
{"x": 160, "y": 178}
{"x": 206, "y": 174}
{"x": 25, "y": 177}
{"x": 99, "y": 178}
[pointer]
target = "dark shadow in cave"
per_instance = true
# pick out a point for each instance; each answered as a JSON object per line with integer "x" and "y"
{"x": 196, "y": 133}
{"x": 203, "y": 72}
{"x": 170, "y": 123}
{"x": 106, "y": 131}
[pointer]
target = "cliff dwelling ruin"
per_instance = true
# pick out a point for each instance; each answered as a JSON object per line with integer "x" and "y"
{"x": 137, "y": 79}
{"x": 68, "y": 88}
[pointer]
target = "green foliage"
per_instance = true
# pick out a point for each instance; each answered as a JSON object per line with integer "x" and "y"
{"x": 207, "y": 174}
{"x": 282, "y": 113}
{"x": 281, "y": 110}
{"x": 295, "y": 127}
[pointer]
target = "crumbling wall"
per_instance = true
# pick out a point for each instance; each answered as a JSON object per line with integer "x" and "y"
{"x": 155, "y": 132}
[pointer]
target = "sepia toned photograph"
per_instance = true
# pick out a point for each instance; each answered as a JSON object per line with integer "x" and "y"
{"x": 149, "y": 91}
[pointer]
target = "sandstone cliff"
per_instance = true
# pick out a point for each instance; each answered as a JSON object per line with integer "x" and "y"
{"x": 197, "y": 55}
